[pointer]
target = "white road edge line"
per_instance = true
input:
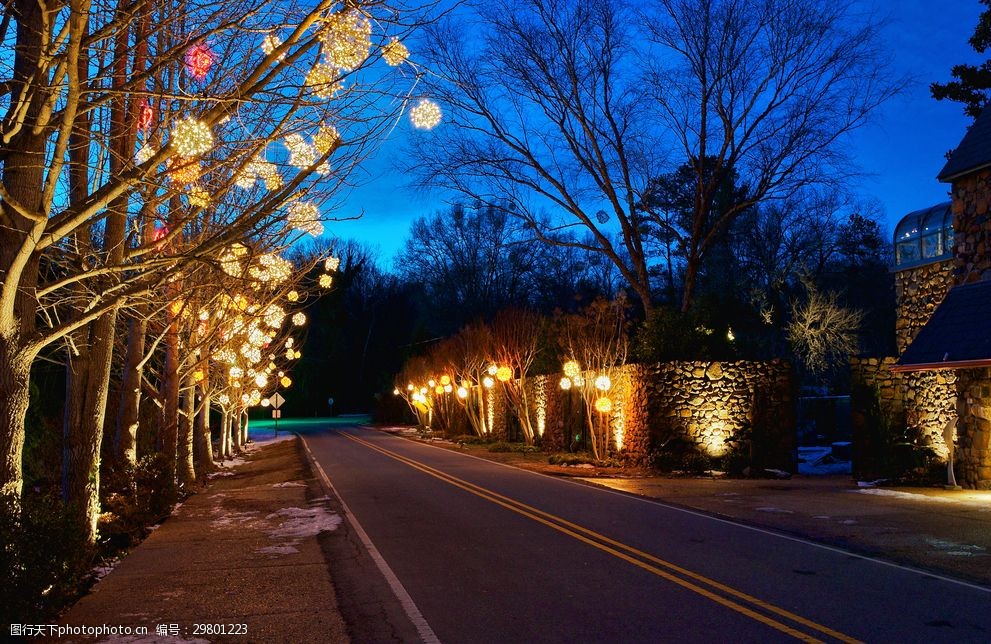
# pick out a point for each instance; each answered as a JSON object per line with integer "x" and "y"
{"x": 779, "y": 535}
{"x": 422, "y": 627}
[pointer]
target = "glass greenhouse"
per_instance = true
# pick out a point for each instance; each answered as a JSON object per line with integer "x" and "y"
{"x": 924, "y": 236}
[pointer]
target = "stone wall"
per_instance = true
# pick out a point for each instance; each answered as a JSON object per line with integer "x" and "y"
{"x": 972, "y": 227}
{"x": 713, "y": 405}
{"x": 973, "y": 455}
{"x": 918, "y": 291}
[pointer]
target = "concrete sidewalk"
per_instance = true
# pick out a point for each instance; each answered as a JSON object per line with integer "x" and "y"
{"x": 242, "y": 557}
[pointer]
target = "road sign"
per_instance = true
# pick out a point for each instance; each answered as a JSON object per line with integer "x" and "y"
{"x": 276, "y": 414}
{"x": 276, "y": 401}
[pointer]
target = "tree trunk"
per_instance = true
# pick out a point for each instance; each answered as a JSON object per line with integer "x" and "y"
{"x": 186, "y": 468}
{"x": 691, "y": 273}
{"x": 169, "y": 430}
{"x": 15, "y": 378}
{"x": 203, "y": 445}
{"x": 236, "y": 432}
{"x": 225, "y": 435}
{"x": 126, "y": 436}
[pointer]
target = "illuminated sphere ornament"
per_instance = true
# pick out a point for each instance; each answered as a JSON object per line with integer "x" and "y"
{"x": 603, "y": 405}
{"x": 299, "y": 319}
{"x": 431, "y": 383}
{"x": 395, "y": 392}
{"x": 199, "y": 60}
{"x": 331, "y": 264}
{"x": 223, "y": 399}
{"x": 285, "y": 381}
{"x": 323, "y": 80}
{"x": 566, "y": 383}
{"x": 571, "y": 368}
{"x": 438, "y": 390}
{"x": 191, "y": 137}
{"x": 304, "y": 216}
{"x": 144, "y": 154}
{"x": 395, "y": 53}
{"x": 270, "y": 43}
{"x": 488, "y": 382}
{"x": 448, "y": 388}
{"x": 346, "y": 38}
{"x": 325, "y": 138}
{"x": 326, "y": 281}
{"x": 198, "y": 197}
{"x": 183, "y": 172}
{"x": 602, "y": 383}
{"x": 493, "y": 369}
{"x": 292, "y": 296}
{"x": 425, "y": 115}
{"x": 445, "y": 380}
{"x": 266, "y": 402}
{"x": 504, "y": 374}
{"x": 261, "y": 380}
{"x": 462, "y": 392}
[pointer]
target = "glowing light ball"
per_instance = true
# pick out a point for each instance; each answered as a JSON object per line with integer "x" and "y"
{"x": 565, "y": 383}
{"x": 199, "y": 60}
{"x": 332, "y": 264}
{"x": 445, "y": 380}
{"x": 299, "y": 319}
{"x": 603, "y": 405}
{"x": 504, "y": 374}
{"x": 325, "y": 138}
{"x": 431, "y": 383}
{"x": 395, "y": 392}
{"x": 191, "y": 137}
{"x": 410, "y": 387}
{"x": 198, "y": 197}
{"x": 438, "y": 390}
{"x": 571, "y": 368}
{"x": 198, "y": 375}
{"x": 323, "y": 80}
{"x": 183, "y": 172}
{"x": 462, "y": 392}
{"x": 292, "y": 296}
{"x": 492, "y": 369}
{"x": 266, "y": 402}
{"x": 236, "y": 372}
{"x": 326, "y": 280}
{"x": 304, "y": 216}
{"x": 346, "y": 39}
{"x": 488, "y": 382}
{"x": 602, "y": 383}
{"x": 261, "y": 380}
{"x": 297, "y": 354}
{"x": 425, "y": 115}
{"x": 270, "y": 43}
{"x": 448, "y": 388}
{"x": 395, "y": 53}
{"x": 223, "y": 399}
{"x": 144, "y": 154}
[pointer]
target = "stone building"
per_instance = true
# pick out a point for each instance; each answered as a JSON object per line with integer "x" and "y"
{"x": 941, "y": 380}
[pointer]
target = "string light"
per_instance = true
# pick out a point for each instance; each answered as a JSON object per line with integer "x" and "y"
{"x": 504, "y": 374}
{"x": 332, "y": 264}
{"x": 191, "y": 137}
{"x": 346, "y": 37}
{"x": 285, "y": 381}
{"x": 299, "y": 319}
{"x": 566, "y": 383}
{"x": 425, "y": 115}
{"x": 292, "y": 296}
{"x": 302, "y": 154}
{"x": 395, "y": 53}
{"x": 571, "y": 369}
{"x": 326, "y": 281}
{"x": 199, "y": 60}
{"x": 603, "y": 405}
{"x": 602, "y": 383}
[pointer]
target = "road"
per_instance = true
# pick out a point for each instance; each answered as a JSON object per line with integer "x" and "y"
{"x": 489, "y": 553}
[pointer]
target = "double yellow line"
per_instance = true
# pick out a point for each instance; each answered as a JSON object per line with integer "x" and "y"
{"x": 710, "y": 589}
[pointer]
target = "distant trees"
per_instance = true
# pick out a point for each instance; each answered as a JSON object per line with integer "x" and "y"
{"x": 972, "y": 84}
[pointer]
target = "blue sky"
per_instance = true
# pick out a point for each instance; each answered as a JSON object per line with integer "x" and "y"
{"x": 900, "y": 152}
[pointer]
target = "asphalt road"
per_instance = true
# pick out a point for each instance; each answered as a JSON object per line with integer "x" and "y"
{"x": 489, "y": 553}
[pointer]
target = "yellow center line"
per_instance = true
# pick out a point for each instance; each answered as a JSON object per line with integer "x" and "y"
{"x": 627, "y": 553}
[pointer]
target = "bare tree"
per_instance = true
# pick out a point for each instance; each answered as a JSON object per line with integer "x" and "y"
{"x": 575, "y": 106}
{"x": 822, "y": 332}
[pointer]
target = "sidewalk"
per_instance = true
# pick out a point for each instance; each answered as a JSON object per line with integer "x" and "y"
{"x": 240, "y": 557}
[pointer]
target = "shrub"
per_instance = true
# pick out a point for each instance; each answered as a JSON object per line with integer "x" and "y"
{"x": 565, "y": 458}
{"x": 44, "y": 557}
{"x": 522, "y": 448}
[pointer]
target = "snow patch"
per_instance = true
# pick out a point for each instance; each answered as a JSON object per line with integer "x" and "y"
{"x": 925, "y": 498}
{"x": 774, "y": 510}
{"x": 296, "y": 524}
{"x": 277, "y": 550}
{"x": 955, "y": 549}
{"x": 233, "y": 518}
{"x": 289, "y": 484}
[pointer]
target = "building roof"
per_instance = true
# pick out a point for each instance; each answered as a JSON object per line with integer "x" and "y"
{"x": 957, "y": 336}
{"x": 974, "y": 151}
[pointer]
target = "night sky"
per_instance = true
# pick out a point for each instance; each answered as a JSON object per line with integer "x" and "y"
{"x": 900, "y": 152}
